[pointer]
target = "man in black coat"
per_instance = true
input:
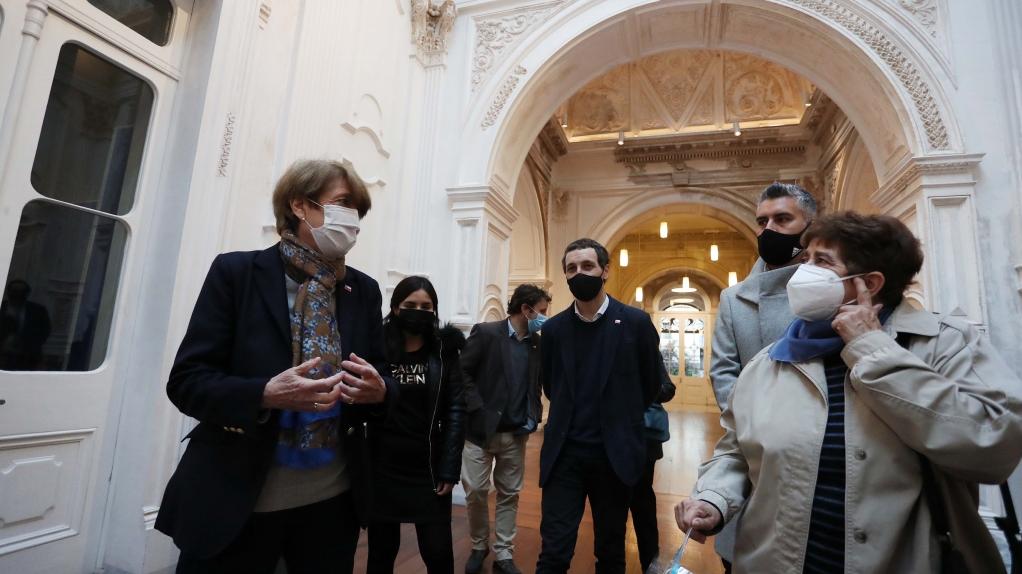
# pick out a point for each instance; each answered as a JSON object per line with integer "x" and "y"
{"x": 502, "y": 390}
{"x": 601, "y": 369}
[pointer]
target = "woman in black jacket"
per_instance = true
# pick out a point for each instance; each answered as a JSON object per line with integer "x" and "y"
{"x": 416, "y": 452}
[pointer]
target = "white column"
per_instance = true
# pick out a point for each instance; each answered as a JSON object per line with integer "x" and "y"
{"x": 483, "y": 217}
{"x": 935, "y": 197}
{"x": 35, "y": 16}
{"x": 423, "y": 185}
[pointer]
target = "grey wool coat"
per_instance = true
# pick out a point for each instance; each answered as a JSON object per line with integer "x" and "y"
{"x": 752, "y": 315}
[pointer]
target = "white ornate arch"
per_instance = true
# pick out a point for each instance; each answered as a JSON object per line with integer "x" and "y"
{"x": 885, "y": 79}
{"x": 870, "y": 69}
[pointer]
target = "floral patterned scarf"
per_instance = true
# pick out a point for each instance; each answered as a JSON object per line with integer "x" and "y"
{"x": 309, "y": 439}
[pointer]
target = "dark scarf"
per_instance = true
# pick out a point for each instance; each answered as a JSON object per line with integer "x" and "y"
{"x": 807, "y": 340}
{"x": 309, "y": 439}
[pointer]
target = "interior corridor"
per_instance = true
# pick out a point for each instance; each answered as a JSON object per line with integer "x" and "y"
{"x": 693, "y": 435}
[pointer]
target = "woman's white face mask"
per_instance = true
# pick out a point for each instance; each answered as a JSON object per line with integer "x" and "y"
{"x": 816, "y": 293}
{"x": 338, "y": 233}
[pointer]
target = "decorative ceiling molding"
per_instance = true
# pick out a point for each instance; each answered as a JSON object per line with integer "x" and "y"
{"x": 686, "y": 92}
{"x": 500, "y": 100}
{"x": 900, "y": 64}
{"x": 674, "y": 153}
{"x": 495, "y": 36}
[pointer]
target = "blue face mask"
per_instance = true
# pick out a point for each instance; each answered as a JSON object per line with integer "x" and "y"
{"x": 536, "y": 323}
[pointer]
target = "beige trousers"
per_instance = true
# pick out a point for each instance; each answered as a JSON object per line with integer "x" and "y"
{"x": 505, "y": 456}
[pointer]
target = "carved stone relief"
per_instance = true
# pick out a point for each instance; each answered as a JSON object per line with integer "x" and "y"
{"x": 924, "y": 11}
{"x": 899, "y": 63}
{"x": 686, "y": 91}
{"x": 496, "y": 36}
{"x": 432, "y": 24}
{"x": 500, "y": 100}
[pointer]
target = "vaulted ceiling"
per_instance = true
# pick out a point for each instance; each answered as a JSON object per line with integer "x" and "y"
{"x": 686, "y": 92}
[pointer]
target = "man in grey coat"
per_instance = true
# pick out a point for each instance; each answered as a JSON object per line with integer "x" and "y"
{"x": 754, "y": 313}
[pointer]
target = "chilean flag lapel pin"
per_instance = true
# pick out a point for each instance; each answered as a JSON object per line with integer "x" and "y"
{"x": 617, "y": 321}
{"x": 347, "y": 288}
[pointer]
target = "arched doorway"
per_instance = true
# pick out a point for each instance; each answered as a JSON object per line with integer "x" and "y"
{"x": 892, "y": 98}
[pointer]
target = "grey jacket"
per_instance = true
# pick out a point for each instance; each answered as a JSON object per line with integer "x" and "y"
{"x": 752, "y": 315}
{"x": 947, "y": 397}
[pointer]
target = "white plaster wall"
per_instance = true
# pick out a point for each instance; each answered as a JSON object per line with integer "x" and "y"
{"x": 981, "y": 101}
{"x": 528, "y": 245}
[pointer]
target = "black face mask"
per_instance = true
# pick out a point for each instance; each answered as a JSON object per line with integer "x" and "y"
{"x": 779, "y": 248}
{"x": 585, "y": 287}
{"x": 416, "y": 321}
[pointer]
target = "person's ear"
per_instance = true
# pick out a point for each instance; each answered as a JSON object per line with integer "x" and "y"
{"x": 606, "y": 272}
{"x": 298, "y": 208}
{"x": 875, "y": 281}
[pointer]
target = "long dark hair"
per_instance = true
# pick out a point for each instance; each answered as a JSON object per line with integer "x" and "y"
{"x": 394, "y": 336}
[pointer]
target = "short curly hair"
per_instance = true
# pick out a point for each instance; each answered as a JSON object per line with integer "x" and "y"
{"x": 526, "y": 294}
{"x": 869, "y": 243}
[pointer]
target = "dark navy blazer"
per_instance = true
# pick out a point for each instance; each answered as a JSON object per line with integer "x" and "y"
{"x": 630, "y": 364}
{"x": 239, "y": 337}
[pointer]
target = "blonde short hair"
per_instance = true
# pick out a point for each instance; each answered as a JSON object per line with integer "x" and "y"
{"x": 308, "y": 179}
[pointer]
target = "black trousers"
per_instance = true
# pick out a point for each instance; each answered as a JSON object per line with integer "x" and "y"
{"x": 643, "y": 507}
{"x": 436, "y": 547}
{"x": 583, "y": 471}
{"x": 313, "y": 539}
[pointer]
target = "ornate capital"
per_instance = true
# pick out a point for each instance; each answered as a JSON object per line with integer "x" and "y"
{"x": 431, "y": 25}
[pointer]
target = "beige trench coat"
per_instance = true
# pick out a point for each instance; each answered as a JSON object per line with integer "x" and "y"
{"x": 949, "y": 397}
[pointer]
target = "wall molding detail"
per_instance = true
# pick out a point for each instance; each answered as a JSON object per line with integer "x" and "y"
{"x": 901, "y": 64}
{"x": 500, "y": 100}
{"x": 498, "y": 34}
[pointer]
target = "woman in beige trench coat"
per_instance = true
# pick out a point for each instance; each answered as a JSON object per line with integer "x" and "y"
{"x": 830, "y": 431}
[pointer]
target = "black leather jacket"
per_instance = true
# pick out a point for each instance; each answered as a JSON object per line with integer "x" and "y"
{"x": 447, "y": 422}
{"x": 447, "y": 409}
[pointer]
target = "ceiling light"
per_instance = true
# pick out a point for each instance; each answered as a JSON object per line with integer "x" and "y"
{"x": 663, "y": 230}
{"x": 737, "y": 128}
{"x": 808, "y": 100}
{"x": 620, "y": 138}
{"x": 638, "y": 294}
{"x": 732, "y": 278}
{"x": 685, "y": 287}
{"x": 682, "y": 300}
{"x": 564, "y": 120}
{"x": 624, "y": 258}
{"x": 714, "y": 252}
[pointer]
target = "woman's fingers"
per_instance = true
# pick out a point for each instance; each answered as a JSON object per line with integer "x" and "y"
{"x": 303, "y": 369}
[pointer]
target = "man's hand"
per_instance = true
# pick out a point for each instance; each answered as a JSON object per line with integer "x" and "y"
{"x": 292, "y": 391}
{"x": 445, "y": 488}
{"x": 857, "y": 318}
{"x": 365, "y": 386}
{"x": 699, "y": 515}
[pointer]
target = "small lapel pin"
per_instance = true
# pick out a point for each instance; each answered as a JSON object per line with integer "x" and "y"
{"x": 347, "y": 288}
{"x": 617, "y": 321}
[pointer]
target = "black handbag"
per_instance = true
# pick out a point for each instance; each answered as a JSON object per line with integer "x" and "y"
{"x": 952, "y": 561}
